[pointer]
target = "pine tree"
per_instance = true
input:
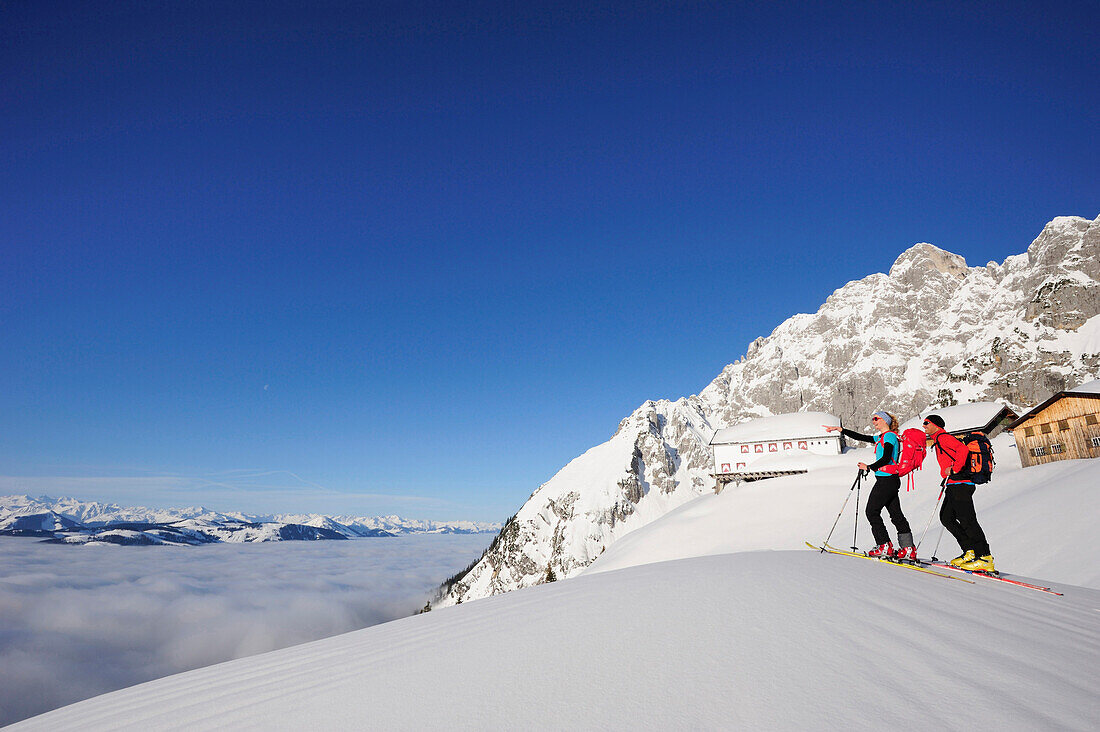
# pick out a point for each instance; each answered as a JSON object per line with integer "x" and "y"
{"x": 550, "y": 576}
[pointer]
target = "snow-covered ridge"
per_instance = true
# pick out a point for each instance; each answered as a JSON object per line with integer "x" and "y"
{"x": 932, "y": 332}
{"x": 76, "y": 522}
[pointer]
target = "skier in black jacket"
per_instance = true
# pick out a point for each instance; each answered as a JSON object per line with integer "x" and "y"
{"x": 884, "y": 493}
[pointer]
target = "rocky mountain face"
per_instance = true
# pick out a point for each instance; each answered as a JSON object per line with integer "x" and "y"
{"x": 933, "y": 331}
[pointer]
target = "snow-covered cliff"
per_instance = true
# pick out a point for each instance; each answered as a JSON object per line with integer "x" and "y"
{"x": 931, "y": 331}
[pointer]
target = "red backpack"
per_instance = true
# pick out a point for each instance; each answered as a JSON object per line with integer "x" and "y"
{"x": 912, "y": 455}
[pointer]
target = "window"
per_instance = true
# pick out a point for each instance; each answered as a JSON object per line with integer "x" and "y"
{"x": 1090, "y": 419}
{"x": 1055, "y": 449}
{"x": 1063, "y": 424}
{"x": 1029, "y": 431}
{"x": 1096, "y": 441}
{"x": 1045, "y": 428}
{"x": 1039, "y": 451}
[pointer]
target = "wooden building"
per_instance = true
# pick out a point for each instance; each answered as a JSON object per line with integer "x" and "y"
{"x": 1064, "y": 427}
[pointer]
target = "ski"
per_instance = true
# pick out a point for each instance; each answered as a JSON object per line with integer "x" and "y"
{"x": 834, "y": 550}
{"x": 987, "y": 575}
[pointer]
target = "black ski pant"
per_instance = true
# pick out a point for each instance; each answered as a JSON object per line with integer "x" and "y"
{"x": 884, "y": 494}
{"x": 958, "y": 516}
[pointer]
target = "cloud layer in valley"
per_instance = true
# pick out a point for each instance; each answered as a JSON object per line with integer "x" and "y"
{"x": 80, "y": 621}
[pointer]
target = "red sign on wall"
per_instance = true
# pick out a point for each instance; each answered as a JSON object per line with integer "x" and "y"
{"x": 787, "y": 446}
{"x": 740, "y": 465}
{"x": 745, "y": 449}
{"x": 772, "y": 447}
{"x": 758, "y": 448}
{"x": 725, "y": 467}
{"x": 803, "y": 446}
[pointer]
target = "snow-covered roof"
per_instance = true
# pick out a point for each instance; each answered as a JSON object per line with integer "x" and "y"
{"x": 1090, "y": 387}
{"x": 779, "y": 427}
{"x": 972, "y": 416}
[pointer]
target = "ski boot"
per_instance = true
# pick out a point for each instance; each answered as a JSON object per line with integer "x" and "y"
{"x": 959, "y": 561}
{"x": 983, "y": 563}
{"x": 882, "y": 551}
{"x": 907, "y": 554}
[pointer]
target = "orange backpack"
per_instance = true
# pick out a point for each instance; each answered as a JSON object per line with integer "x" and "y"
{"x": 979, "y": 459}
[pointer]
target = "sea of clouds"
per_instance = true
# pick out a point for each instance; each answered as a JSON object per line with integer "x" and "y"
{"x": 76, "y": 622}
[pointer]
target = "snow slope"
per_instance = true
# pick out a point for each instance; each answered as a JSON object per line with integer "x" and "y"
{"x": 772, "y": 640}
{"x": 1039, "y": 521}
{"x": 723, "y": 635}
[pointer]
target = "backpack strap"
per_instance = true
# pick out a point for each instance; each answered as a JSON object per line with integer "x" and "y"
{"x": 940, "y": 448}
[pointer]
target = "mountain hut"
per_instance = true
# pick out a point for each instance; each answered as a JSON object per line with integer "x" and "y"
{"x": 1064, "y": 427}
{"x": 772, "y": 446}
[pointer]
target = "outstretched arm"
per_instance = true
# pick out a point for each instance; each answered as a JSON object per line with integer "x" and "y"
{"x": 857, "y": 436}
{"x": 848, "y": 433}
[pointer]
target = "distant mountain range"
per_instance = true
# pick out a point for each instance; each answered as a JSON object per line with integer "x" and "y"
{"x": 931, "y": 332}
{"x": 70, "y": 521}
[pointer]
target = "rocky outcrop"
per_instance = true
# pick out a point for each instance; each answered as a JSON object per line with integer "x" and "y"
{"x": 933, "y": 331}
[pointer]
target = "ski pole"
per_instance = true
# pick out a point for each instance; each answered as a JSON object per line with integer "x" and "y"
{"x": 929, "y": 524}
{"x": 943, "y": 487}
{"x": 845, "y": 505}
{"x": 855, "y": 524}
{"x": 934, "y": 557}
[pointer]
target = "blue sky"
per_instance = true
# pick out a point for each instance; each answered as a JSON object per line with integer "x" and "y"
{"x": 405, "y": 257}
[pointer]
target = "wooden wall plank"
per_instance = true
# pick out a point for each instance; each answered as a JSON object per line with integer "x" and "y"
{"x": 1076, "y": 438}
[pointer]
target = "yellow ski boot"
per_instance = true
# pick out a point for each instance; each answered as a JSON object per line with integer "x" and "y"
{"x": 983, "y": 563}
{"x": 967, "y": 556}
